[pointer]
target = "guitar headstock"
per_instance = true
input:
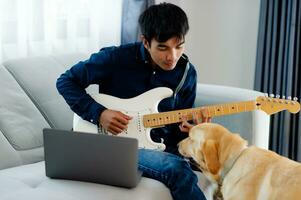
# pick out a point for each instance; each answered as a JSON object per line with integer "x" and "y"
{"x": 271, "y": 105}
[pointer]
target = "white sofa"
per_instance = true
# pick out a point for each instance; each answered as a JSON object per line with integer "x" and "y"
{"x": 29, "y": 102}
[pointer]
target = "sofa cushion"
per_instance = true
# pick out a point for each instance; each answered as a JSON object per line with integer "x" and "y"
{"x": 31, "y": 175}
{"x": 10, "y": 186}
{"x": 9, "y": 157}
{"x": 20, "y": 124}
{"x": 30, "y": 182}
{"x": 30, "y": 102}
{"x": 20, "y": 120}
{"x": 37, "y": 194}
{"x": 37, "y": 77}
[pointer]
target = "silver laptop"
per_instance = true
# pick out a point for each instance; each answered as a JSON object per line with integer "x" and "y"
{"x": 97, "y": 158}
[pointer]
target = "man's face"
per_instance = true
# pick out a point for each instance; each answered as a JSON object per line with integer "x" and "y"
{"x": 165, "y": 54}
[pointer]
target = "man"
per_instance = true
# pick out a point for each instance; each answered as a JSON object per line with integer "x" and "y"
{"x": 130, "y": 70}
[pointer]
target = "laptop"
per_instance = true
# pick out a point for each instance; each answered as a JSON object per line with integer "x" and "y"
{"x": 98, "y": 158}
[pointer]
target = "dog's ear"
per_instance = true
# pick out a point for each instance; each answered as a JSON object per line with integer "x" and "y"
{"x": 210, "y": 154}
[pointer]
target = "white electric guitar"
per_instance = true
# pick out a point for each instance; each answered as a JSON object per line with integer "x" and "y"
{"x": 143, "y": 109}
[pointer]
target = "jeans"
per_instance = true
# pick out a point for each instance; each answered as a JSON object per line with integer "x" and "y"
{"x": 171, "y": 170}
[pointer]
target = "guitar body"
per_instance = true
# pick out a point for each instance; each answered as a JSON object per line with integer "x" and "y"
{"x": 136, "y": 107}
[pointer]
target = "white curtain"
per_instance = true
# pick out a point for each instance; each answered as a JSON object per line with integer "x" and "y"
{"x": 41, "y": 27}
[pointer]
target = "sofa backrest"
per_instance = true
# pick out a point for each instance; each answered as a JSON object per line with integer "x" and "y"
{"x": 252, "y": 126}
{"x": 30, "y": 102}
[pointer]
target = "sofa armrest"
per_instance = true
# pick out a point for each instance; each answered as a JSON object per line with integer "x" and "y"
{"x": 252, "y": 126}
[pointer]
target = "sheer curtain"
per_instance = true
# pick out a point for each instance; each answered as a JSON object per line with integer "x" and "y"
{"x": 278, "y": 69}
{"x": 130, "y": 31}
{"x": 39, "y": 27}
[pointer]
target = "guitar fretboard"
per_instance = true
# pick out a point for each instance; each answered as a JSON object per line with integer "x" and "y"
{"x": 171, "y": 117}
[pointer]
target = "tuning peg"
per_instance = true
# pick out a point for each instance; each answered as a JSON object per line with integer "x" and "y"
{"x": 277, "y": 96}
{"x": 283, "y": 97}
{"x": 266, "y": 94}
{"x": 289, "y": 98}
{"x": 295, "y": 98}
{"x": 272, "y": 95}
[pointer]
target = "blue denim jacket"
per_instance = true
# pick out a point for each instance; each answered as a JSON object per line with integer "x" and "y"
{"x": 126, "y": 72}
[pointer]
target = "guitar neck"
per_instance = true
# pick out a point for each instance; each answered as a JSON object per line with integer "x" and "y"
{"x": 171, "y": 117}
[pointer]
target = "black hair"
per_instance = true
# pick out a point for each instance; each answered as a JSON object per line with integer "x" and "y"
{"x": 162, "y": 22}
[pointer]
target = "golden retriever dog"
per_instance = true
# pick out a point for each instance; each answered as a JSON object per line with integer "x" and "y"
{"x": 242, "y": 172}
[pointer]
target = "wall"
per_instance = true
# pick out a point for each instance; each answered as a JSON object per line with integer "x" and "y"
{"x": 222, "y": 40}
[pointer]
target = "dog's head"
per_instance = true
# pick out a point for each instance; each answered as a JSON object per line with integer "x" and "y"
{"x": 212, "y": 147}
